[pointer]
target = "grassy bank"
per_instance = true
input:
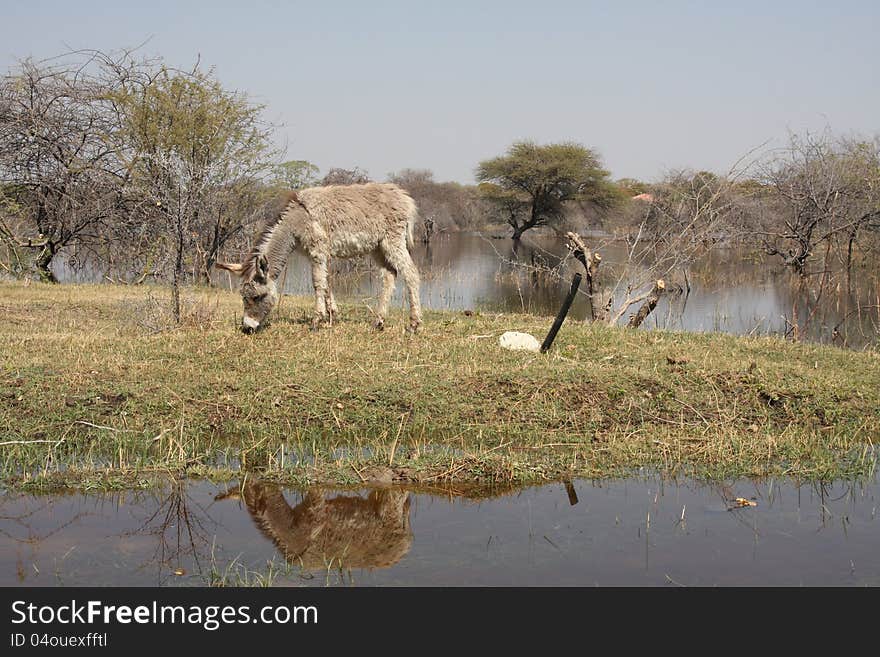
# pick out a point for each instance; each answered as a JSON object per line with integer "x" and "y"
{"x": 92, "y": 393}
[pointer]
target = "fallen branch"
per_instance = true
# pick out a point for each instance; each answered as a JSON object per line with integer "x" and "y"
{"x": 30, "y": 442}
{"x": 101, "y": 426}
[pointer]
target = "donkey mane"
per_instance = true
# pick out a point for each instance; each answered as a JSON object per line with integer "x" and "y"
{"x": 270, "y": 242}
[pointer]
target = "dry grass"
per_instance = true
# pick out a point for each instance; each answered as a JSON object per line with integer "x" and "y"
{"x": 92, "y": 395}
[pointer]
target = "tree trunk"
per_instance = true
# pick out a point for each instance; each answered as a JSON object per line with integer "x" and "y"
{"x": 649, "y": 305}
{"x": 178, "y": 272}
{"x": 849, "y": 253}
{"x": 43, "y": 262}
{"x": 599, "y": 300}
{"x": 208, "y": 264}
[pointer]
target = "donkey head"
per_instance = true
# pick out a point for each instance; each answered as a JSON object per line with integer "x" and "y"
{"x": 258, "y": 292}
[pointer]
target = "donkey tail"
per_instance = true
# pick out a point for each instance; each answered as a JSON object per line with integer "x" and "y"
{"x": 413, "y": 217}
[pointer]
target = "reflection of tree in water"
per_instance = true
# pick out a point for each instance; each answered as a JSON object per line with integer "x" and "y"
{"x": 346, "y": 531}
{"x": 179, "y": 525}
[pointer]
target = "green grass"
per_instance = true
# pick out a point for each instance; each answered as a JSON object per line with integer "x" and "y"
{"x": 91, "y": 395}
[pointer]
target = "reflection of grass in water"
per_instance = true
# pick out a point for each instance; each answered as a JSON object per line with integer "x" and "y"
{"x": 238, "y": 574}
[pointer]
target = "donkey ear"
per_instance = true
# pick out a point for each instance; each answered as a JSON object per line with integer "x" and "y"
{"x": 234, "y": 267}
{"x": 262, "y": 273}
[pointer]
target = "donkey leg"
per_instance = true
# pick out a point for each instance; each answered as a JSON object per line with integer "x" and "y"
{"x": 330, "y": 305}
{"x": 333, "y": 307}
{"x": 388, "y": 280}
{"x": 330, "y": 302}
{"x": 399, "y": 258}
{"x": 319, "y": 281}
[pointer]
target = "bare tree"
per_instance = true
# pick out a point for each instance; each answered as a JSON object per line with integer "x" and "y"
{"x": 198, "y": 151}
{"x": 688, "y": 212}
{"x": 824, "y": 191}
{"x": 337, "y": 176}
{"x": 443, "y": 207}
{"x": 61, "y": 170}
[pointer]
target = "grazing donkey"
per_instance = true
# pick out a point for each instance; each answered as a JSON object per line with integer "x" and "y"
{"x": 339, "y": 221}
{"x": 346, "y": 531}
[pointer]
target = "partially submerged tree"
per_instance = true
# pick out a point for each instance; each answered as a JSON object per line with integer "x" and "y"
{"x": 687, "y": 214}
{"x": 61, "y": 172}
{"x": 531, "y": 183}
{"x": 824, "y": 191}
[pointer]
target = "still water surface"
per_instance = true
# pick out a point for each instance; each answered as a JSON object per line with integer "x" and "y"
{"x": 731, "y": 290}
{"x": 645, "y": 532}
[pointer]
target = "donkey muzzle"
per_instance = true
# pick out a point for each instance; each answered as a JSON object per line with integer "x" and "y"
{"x": 249, "y": 325}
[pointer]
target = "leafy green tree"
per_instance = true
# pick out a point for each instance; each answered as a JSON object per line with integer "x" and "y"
{"x": 532, "y": 182}
{"x": 296, "y": 174}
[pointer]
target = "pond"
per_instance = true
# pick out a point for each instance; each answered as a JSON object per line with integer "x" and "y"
{"x": 646, "y": 531}
{"x": 730, "y": 290}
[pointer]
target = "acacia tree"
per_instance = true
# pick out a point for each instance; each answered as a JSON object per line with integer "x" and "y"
{"x": 532, "y": 182}
{"x": 295, "y": 174}
{"x": 196, "y": 151}
{"x": 61, "y": 174}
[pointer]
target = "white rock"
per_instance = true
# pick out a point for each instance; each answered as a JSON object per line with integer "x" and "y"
{"x": 516, "y": 341}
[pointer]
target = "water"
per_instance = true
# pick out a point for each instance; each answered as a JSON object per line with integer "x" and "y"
{"x": 730, "y": 290}
{"x": 647, "y": 532}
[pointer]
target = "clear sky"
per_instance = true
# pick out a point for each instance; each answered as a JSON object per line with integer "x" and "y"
{"x": 651, "y": 86}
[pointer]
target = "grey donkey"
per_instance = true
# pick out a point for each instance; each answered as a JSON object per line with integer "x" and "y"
{"x": 338, "y": 221}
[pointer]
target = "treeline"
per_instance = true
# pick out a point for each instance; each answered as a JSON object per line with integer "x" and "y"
{"x": 145, "y": 171}
{"x": 149, "y": 171}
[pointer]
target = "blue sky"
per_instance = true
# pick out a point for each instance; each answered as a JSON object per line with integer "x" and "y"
{"x": 441, "y": 85}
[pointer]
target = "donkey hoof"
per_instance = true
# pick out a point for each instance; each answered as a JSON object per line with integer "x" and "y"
{"x": 379, "y": 325}
{"x": 413, "y": 328}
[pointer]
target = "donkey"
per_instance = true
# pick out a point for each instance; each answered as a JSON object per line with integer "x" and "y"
{"x": 338, "y": 221}
{"x": 348, "y": 530}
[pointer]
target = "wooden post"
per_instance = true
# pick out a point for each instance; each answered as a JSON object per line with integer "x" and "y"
{"x": 560, "y": 317}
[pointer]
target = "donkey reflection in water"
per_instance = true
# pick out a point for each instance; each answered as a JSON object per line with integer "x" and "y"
{"x": 332, "y": 222}
{"x": 348, "y": 531}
